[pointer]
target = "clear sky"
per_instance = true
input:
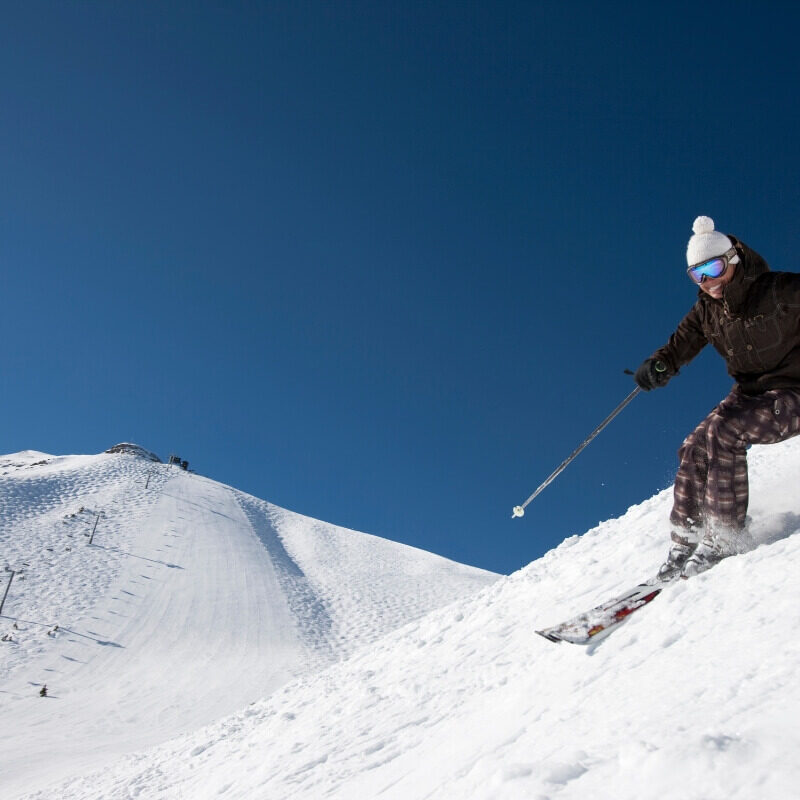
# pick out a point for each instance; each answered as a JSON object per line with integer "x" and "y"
{"x": 382, "y": 263}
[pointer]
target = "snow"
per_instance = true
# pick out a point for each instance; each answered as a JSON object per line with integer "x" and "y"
{"x": 193, "y": 600}
{"x": 693, "y": 697}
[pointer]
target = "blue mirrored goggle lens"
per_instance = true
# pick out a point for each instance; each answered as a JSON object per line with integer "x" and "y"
{"x": 710, "y": 269}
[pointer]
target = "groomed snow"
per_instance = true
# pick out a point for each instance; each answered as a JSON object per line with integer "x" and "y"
{"x": 192, "y": 601}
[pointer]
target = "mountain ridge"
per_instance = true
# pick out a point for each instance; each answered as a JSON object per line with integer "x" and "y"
{"x": 179, "y": 612}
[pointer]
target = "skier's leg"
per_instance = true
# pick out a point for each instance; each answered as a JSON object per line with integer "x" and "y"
{"x": 727, "y": 491}
{"x": 688, "y": 499}
{"x": 690, "y": 482}
{"x": 740, "y": 421}
{"x": 744, "y": 421}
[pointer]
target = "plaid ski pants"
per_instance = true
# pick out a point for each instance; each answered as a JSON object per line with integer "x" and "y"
{"x": 711, "y": 486}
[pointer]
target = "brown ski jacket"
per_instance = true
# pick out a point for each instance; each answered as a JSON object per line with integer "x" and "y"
{"x": 755, "y": 327}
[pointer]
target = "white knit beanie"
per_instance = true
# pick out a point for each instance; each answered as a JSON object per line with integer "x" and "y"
{"x": 707, "y": 243}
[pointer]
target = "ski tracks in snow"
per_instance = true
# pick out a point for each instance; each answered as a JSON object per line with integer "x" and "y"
{"x": 48, "y": 511}
{"x": 186, "y": 600}
{"x": 194, "y": 601}
{"x": 309, "y": 610}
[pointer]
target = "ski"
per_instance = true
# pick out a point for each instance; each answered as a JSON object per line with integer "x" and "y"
{"x": 594, "y": 625}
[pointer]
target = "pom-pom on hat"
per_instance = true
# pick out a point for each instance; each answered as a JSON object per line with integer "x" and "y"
{"x": 707, "y": 243}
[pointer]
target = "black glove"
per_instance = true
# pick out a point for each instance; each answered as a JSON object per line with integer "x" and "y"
{"x": 652, "y": 374}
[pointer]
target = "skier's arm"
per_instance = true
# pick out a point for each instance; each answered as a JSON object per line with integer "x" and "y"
{"x": 687, "y": 341}
{"x": 684, "y": 344}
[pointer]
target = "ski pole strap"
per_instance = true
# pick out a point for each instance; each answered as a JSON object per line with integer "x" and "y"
{"x": 520, "y": 510}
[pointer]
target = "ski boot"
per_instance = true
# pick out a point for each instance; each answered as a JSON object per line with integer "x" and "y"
{"x": 716, "y": 545}
{"x": 682, "y": 548}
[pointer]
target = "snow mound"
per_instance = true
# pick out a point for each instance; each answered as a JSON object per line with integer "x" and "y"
{"x": 151, "y": 601}
{"x": 694, "y": 697}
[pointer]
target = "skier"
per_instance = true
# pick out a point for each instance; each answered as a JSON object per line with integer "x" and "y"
{"x": 752, "y": 318}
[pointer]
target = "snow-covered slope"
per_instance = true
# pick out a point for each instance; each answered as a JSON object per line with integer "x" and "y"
{"x": 694, "y": 697}
{"x": 192, "y": 601}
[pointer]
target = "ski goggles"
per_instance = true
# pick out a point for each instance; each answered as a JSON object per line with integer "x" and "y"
{"x": 713, "y": 268}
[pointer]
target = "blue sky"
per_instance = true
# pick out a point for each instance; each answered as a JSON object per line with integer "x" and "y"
{"x": 382, "y": 263}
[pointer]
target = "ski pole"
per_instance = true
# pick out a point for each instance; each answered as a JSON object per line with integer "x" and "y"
{"x": 519, "y": 511}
